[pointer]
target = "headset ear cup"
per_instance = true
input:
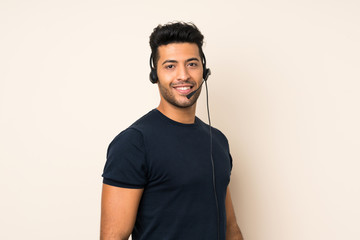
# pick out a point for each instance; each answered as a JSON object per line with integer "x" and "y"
{"x": 206, "y": 73}
{"x": 153, "y": 76}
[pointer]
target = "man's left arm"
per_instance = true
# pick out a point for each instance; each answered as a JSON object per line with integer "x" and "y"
{"x": 232, "y": 229}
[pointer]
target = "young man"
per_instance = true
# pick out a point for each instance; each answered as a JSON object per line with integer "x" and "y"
{"x": 167, "y": 175}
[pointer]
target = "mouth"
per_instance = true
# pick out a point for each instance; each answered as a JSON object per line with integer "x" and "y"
{"x": 183, "y": 89}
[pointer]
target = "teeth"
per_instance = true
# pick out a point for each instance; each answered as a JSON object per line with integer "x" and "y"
{"x": 183, "y": 88}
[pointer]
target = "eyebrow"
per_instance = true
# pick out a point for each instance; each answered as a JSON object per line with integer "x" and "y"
{"x": 174, "y": 61}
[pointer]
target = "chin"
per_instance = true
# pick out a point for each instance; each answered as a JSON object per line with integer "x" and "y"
{"x": 185, "y": 104}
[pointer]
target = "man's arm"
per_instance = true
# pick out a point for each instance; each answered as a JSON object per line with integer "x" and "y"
{"x": 118, "y": 212}
{"x": 232, "y": 229}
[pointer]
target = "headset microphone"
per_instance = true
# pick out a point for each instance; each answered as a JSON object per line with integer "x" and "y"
{"x": 206, "y": 75}
{"x": 192, "y": 93}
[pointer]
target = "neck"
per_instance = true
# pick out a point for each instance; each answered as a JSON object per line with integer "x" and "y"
{"x": 182, "y": 115}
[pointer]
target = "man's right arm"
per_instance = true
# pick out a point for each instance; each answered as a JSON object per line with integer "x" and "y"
{"x": 119, "y": 208}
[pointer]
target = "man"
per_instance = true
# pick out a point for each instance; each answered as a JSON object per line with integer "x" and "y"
{"x": 167, "y": 175}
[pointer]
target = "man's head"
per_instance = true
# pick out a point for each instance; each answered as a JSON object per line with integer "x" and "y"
{"x": 177, "y": 63}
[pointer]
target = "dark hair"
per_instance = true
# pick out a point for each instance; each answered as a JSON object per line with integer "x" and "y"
{"x": 175, "y": 32}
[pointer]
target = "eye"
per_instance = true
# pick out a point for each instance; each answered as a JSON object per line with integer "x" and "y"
{"x": 170, "y": 66}
{"x": 193, "y": 64}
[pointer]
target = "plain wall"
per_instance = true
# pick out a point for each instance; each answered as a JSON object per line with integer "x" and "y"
{"x": 284, "y": 89}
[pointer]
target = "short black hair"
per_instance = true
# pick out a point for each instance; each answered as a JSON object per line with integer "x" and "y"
{"x": 175, "y": 32}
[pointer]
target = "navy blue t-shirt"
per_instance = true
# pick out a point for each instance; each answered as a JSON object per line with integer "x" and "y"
{"x": 171, "y": 161}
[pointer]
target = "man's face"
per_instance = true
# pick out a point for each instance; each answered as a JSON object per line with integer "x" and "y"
{"x": 180, "y": 71}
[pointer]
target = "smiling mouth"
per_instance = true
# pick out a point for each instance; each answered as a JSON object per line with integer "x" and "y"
{"x": 183, "y": 90}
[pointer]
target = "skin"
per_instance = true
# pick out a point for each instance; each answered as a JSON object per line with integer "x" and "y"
{"x": 179, "y": 70}
{"x": 118, "y": 212}
{"x": 232, "y": 229}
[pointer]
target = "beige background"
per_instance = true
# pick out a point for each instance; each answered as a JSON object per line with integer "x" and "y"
{"x": 284, "y": 89}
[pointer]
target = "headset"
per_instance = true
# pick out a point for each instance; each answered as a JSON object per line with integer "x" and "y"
{"x": 154, "y": 77}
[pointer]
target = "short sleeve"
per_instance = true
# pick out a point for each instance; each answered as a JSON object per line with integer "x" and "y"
{"x": 125, "y": 164}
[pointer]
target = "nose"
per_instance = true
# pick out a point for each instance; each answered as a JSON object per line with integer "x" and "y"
{"x": 183, "y": 73}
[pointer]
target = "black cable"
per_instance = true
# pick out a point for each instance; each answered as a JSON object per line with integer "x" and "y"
{"x": 212, "y": 163}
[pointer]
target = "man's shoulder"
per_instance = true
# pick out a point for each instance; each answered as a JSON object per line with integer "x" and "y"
{"x": 214, "y": 130}
{"x": 216, "y": 133}
{"x": 147, "y": 118}
{"x": 140, "y": 126}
